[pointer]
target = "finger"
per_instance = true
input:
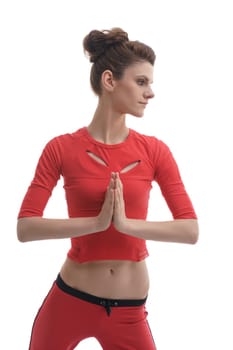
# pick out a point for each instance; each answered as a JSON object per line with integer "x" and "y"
{"x": 118, "y": 198}
{"x": 118, "y": 181}
{"x": 108, "y": 205}
{"x": 111, "y": 184}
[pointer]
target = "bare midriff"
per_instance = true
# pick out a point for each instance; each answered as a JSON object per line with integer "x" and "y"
{"x": 114, "y": 279}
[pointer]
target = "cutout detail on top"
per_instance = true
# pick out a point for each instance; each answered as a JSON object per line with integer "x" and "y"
{"x": 130, "y": 166}
{"x": 96, "y": 158}
{"x": 102, "y": 162}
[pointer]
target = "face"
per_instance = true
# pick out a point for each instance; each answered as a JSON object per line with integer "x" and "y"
{"x": 133, "y": 91}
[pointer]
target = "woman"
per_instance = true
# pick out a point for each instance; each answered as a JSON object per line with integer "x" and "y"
{"x": 108, "y": 170}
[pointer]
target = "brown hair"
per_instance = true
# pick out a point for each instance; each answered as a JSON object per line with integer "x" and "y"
{"x": 112, "y": 49}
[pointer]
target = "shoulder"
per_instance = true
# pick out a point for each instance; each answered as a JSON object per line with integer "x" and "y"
{"x": 152, "y": 143}
{"x": 66, "y": 139}
{"x": 58, "y": 147}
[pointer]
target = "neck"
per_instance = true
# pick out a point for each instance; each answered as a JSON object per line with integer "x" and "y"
{"x": 108, "y": 127}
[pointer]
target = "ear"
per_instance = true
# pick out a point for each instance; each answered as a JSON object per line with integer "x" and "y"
{"x": 107, "y": 80}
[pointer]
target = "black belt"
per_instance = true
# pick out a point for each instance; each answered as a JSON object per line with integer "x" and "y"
{"x": 105, "y": 302}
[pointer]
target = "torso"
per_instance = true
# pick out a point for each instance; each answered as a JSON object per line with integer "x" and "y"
{"x": 86, "y": 165}
{"x": 114, "y": 279}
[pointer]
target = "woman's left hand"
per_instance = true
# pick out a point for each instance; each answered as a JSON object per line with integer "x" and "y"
{"x": 119, "y": 217}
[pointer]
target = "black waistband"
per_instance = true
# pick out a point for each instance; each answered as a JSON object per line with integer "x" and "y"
{"x": 107, "y": 303}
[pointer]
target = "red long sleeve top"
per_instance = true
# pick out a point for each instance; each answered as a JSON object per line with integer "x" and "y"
{"x": 86, "y": 165}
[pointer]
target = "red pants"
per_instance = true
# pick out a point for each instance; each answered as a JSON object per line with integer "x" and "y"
{"x": 68, "y": 316}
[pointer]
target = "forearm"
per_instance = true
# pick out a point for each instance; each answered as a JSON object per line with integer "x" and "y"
{"x": 177, "y": 231}
{"x": 37, "y": 228}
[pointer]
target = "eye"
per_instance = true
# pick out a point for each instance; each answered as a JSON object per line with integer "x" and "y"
{"x": 141, "y": 82}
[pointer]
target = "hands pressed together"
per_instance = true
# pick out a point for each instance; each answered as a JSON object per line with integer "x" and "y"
{"x": 113, "y": 208}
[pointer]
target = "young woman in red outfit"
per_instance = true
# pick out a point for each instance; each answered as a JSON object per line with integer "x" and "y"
{"x": 107, "y": 169}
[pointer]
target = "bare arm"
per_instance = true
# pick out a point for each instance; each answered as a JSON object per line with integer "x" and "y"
{"x": 38, "y": 228}
{"x": 179, "y": 231}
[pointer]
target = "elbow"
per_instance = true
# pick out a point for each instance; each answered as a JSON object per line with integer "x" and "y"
{"x": 193, "y": 234}
{"x": 22, "y": 230}
{"x": 193, "y": 238}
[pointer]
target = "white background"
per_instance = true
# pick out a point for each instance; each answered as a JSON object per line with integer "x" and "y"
{"x": 44, "y": 82}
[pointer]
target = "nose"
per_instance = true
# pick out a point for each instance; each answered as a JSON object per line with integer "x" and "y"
{"x": 149, "y": 93}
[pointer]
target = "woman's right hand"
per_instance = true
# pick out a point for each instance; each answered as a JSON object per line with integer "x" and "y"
{"x": 106, "y": 214}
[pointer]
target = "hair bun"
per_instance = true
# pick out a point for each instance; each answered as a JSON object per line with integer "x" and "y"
{"x": 97, "y": 42}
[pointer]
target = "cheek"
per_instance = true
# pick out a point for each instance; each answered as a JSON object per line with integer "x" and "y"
{"x": 125, "y": 99}
{"x": 123, "y": 103}
{"x": 130, "y": 98}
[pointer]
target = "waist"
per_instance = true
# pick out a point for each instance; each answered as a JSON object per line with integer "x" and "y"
{"x": 115, "y": 279}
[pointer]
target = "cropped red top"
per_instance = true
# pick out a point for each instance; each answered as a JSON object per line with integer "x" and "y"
{"x": 85, "y": 165}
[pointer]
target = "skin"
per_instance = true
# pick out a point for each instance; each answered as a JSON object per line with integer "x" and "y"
{"x": 112, "y": 279}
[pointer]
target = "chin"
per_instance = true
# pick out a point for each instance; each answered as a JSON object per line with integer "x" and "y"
{"x": 138, "y": 115}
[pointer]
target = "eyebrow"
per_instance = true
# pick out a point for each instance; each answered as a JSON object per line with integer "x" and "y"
{"x": 144, "y": 77}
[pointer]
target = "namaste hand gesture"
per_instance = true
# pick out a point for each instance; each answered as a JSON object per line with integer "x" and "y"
{"x": 113, "y": 208}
